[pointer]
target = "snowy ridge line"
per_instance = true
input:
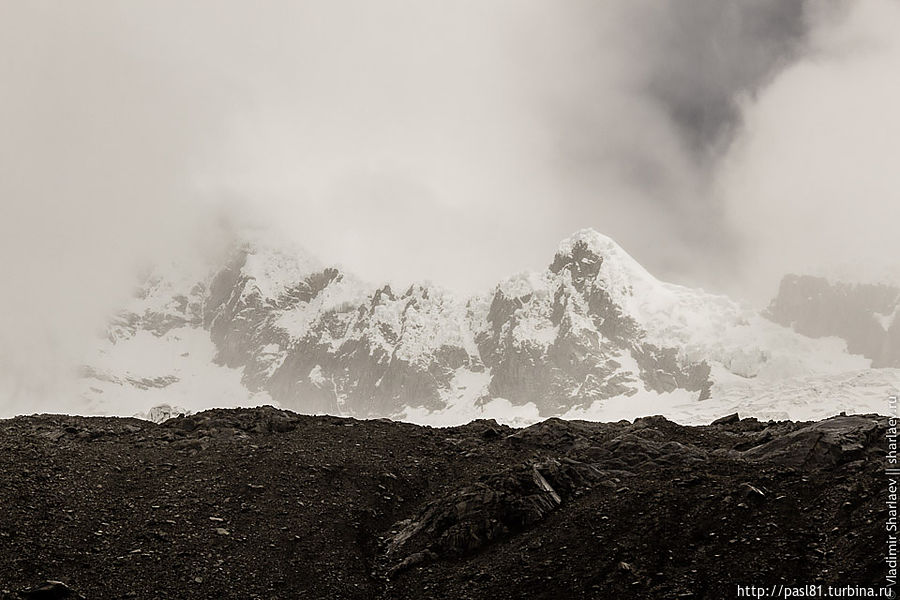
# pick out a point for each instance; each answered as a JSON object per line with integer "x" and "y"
{"x": 593, "y": 336}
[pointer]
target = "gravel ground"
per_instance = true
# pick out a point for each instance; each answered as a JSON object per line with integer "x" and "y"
{"x": 263, "y": 503}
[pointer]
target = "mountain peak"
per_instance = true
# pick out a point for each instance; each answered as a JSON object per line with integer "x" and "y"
{"x": 274, "y": 267}
{"x": 589, "y": 253}
{"x": 592, "y": 238}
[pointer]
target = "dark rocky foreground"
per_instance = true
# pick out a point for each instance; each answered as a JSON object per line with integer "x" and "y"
{"x": 268, "y": 504}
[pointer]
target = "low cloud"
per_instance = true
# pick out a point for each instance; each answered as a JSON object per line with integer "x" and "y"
{"x": 721, "y": 143}
{"x": 811, "y": 184}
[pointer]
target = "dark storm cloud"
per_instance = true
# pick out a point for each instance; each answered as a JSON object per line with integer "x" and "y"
{"x": 641, "y": 137}
{"x": 534, "y": 119}
{"x": 810, "y": 182}
{"x": 710, "y": 53}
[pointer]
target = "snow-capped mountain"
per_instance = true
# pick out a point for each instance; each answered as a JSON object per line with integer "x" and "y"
{"x": 594, "y": 335}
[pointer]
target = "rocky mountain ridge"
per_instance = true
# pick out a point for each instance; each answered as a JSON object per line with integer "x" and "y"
{"x": 591, "y": 327}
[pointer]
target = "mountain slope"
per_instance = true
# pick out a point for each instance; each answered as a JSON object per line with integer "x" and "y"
{"x": 592, "y": 331}
{"x": 862, "y": 314}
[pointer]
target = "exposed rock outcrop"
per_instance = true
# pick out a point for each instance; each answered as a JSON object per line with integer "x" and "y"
{"x": 862, "y": 314}
{"x": 594, "y": 325}
{"x": 265, "y": 503}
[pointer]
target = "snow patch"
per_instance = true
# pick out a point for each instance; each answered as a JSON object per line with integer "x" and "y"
{"x": 337, "y": 296}
{"x": 887, "y": 321}
{"x": 316, "y": 377}
{"x": 176, "y": 369}
{"x": 275, "y": 268}
{"x": 466, "y": 388}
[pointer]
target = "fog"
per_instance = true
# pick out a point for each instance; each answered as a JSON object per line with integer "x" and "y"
{"x": 811, "y": 184}
{"x": 722, "y": 143}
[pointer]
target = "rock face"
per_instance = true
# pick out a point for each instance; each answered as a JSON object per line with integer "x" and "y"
{"x": 821, "y": 444}
{"x": 50, "y": 590}
{"x": 266, "y": 503}
{"x": 862, "y": 314}
{"x": 592, "y": 326}
{"x": 476, "y": 515}
{"x": 561, "y": 339}
{"x": 327, "y": 344}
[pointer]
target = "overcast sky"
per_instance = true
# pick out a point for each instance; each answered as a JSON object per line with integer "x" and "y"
{"x": 722, "y": 143}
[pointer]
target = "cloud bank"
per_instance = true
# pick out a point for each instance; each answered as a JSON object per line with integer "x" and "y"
{"x": 811, "y": 184}
{"x": 721, "y": 142}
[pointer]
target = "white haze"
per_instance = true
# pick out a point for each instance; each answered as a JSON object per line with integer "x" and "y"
{"x": 812, "y": 183}
{"x": 405, "y": 139}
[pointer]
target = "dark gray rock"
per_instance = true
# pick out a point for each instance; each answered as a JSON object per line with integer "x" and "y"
{"x": 475, "y": 515}
{"x": 727, "y": 419}
{"x": 822, "y": 444}
{"x": 50, "y": 590}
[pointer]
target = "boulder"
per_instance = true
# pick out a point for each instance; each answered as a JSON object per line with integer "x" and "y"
{"x": 823, "y": 444}
{"x": 50, "y": 590}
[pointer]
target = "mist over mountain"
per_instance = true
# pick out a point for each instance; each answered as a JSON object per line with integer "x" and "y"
{"x": 723, "y": 143}
{"x": 594, "y": 335}
{"x": 863, "y": 314}
{"x": 474, "y": 299}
